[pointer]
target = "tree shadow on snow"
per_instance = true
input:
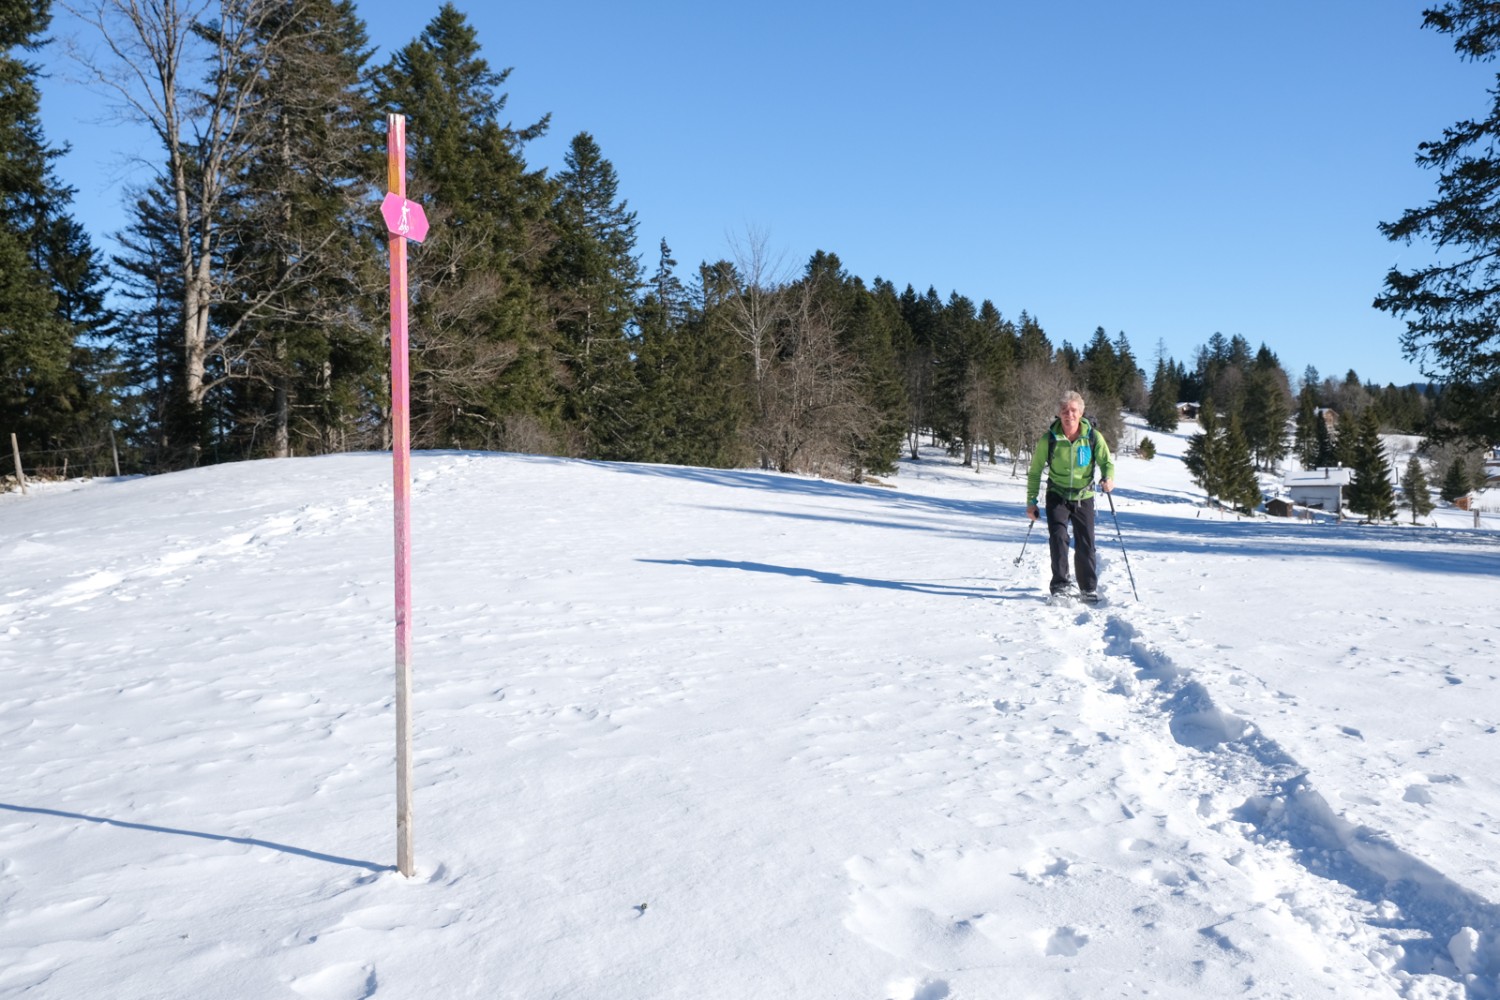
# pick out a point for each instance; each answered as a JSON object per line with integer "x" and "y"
{"x": 776, "y": 482}
{"x": 1427, "y": 550}
{"x": 247, "y": 841}
{"x": 938, "y": 589}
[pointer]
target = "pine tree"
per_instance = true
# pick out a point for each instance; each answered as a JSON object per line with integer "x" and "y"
{"x": 1325, "y": 454}
{"x": 1240, "y": 488}
{"x": 1132, "y": 378}
{"x": 1449, "y": 306}
{"x": 1161, "y": 412}
{"x": 1455, "y": 481}
{"x": 593, "y": 274}
{"x": 147, "y": 280}
{"x": 1370, "y": 493}
{"x": 298, "y": 237}
{"x": 1265, "y": 409}
{"x": 1204, "y": 455}
{"x": 1414, "y": 486}
{"x": 691, "y": 402}
{"x": 487, "y": 367}
{"x": 1306, "y": 440}
{"x": 871, "y": 333}
{"x": 1345, "y": 441}
{"x": 54, "y": 364}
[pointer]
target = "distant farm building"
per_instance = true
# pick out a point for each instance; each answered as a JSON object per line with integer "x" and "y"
{"x": 1187, "y": 411}
{"x": 1320, "y": 489}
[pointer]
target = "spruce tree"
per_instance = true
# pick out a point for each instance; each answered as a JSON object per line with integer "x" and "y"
{"x": 691, "y": 401}
{"x": 1345, "y": 441}
{"x": 593, "y": 275}
{"x": 1414, "y": 486}
{"x": 1455, "y": 481}
{"x": 487, "y": 369}
{"x": 149, "y": 285}
{"x": 871, "y": 333}
{"x": 1240, "y": 488}
{"x": 298, "y": 237}
{"x": 1161, "y": 412}
{"x": 1204, "y": 455}
{"x": 1325, "y": 455}
{"x": 1266, "y": 408}
{"x": 54, "y": 363}
{"x": 1370, "y": 493}
{"x": 1306, "y": 440}
{"x": 1449, "y": 306}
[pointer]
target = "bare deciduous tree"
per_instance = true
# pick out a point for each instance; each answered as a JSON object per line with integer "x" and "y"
{"x": 1029, "y": 406}
{"x": 209, "y": 130}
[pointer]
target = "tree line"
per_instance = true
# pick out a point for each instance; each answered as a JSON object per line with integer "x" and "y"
{"x": 244, "y": 313}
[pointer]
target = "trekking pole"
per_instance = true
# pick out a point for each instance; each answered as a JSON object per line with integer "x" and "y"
{"x": 1023, "y": 544}
{"x": 1116, "y": 517}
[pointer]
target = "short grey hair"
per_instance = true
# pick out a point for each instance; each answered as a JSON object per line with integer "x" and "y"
{"x": 1071, "y": 397}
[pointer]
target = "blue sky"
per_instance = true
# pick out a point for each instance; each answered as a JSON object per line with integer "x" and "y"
{"x": 1168, "y": 169}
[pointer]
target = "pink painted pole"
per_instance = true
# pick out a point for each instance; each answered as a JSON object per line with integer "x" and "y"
{"x": 401, "y": 461}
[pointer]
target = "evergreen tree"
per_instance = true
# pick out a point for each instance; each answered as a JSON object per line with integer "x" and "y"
{"x": 593, "y": 274}
{"x": 54, "y": 365}
{"x": 156, "y": 413}
{"x": 486, "y": 365}
{"x": 1161, "y": 412}
{"x": 691, "y": 403}
{"x": 1370, "y": 493}
{"x": 915, "y": 353}
{"x": 1345, "y": 442}
{"x": 1306, "y": 441}
{"x": 871, "y": 333}
{"x": 1265, "y": 409}
{"x": 1034, "y": 346}
{"x": 1240, "y": 488}
{"x": 1414, "y": 486}
{"x": 299, "y": 242}
{"x": 1451, "y": 306}
{"x": 1132, "y": 379}
{"x": 1204, "y": 455}
{"x": 1101, "y": 376}
{"x": 1325, "y": 455}
{"x": 1455, "y": 481}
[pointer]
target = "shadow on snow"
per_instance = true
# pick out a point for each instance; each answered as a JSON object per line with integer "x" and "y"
{"x": 247, "y": 841}
{"x": 939, "y": 589}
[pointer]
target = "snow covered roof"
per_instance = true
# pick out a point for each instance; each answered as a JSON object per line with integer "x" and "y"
{"x": 1329, "y": 476}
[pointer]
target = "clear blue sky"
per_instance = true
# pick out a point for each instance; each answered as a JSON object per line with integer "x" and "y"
{"x": 1168, "y": 169}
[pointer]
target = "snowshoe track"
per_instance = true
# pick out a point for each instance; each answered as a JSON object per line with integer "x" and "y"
{"x": 1350, "y": 886}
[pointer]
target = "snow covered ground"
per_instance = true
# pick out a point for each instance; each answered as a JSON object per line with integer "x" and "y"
{"x": 689, "y": 733}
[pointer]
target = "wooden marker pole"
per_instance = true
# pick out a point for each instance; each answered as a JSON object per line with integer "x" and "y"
{"x": 401, "y": 461}
{"x": 405, "y": 221}
{"x": 15, "y": 450}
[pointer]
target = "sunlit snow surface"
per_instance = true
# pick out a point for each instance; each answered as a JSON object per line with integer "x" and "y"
{"x": 705, "y": 734}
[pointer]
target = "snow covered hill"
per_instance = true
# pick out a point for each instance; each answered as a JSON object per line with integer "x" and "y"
{"x": 690, "y": 733}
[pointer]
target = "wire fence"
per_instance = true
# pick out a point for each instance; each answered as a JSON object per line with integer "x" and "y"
{"x": 21, "y": 464}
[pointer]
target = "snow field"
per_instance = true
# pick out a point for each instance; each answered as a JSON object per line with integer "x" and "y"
{"x": 686, "y": 733}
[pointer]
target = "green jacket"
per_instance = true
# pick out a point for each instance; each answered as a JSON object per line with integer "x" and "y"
{"x": 1070, "y": 474}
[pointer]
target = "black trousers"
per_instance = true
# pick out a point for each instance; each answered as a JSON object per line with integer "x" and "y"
{"x": 1079, "y": 515}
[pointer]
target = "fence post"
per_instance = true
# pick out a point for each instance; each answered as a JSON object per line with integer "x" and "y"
{"x": 15, "y": 450}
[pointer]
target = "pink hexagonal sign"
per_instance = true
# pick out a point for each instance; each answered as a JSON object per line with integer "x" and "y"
{"x": 404, "y": 217}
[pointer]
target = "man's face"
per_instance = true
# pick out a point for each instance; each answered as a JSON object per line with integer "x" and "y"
{"x": 1070, "y": 414}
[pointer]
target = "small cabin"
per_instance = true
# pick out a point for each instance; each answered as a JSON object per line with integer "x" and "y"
{"x": 1280, "y": 508}
{"x": 1187, "y": 411}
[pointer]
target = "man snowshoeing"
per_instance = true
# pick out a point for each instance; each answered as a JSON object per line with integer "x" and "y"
{"x": 1069, "y": 452}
